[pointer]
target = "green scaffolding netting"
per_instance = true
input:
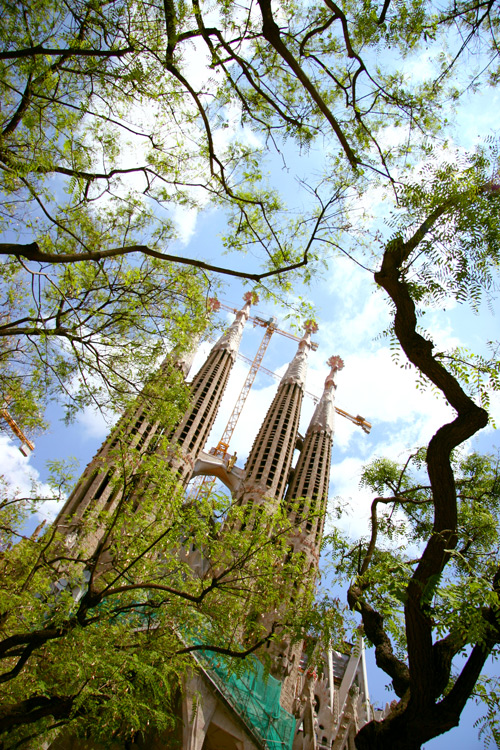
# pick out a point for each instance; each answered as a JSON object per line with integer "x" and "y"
{"x": 254, "y": 696}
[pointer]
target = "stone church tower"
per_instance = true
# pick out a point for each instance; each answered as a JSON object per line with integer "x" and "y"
{"x": 138, "y": 434}
{"x": 301, "y": 706}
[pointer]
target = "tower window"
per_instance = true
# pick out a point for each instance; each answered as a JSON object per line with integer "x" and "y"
{"x": 98, "y": 493}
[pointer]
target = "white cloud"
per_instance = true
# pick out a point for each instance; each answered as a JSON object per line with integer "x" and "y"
{"x": 49, "y": 510}
{"x": 378, "y": 387}
{"x": 392, "y": 136}
{"x": 21, "y": 478}
{"x": 16, "y": 468}
{"x": 96, "y": 423}
{"x": 185, "y": 220}
{"x": 233, "y": 129}
{"x": 479, "y": 116}
{"x": 345, "y": 485}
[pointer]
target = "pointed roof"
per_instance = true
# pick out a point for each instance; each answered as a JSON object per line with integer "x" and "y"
{"x": 297, "y": 369}
{"x": 230, "y": 340}
{"x": 323, "y": 417}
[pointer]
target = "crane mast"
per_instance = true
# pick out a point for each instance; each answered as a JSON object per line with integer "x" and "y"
{"x": 206, "y": 483}
{"x": 223, "y": 444}
{"x": 254, "y": 366}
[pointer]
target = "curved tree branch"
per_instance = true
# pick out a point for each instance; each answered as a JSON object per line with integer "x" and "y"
{"x": 423, "y": 660}
{"x": 373, "y": 624}
{"x": 271, "y": 33}
{"x": 35, "y": 708}
{"x": 39, "y": 49}
{"x": 32, "y": 252}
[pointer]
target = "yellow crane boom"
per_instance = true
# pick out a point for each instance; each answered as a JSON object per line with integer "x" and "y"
{"x": 4, "y": 414}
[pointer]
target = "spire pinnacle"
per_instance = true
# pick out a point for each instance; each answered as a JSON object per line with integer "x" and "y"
{"x": 297, "y": 369}
{"x": 213, "y": 304}
{"x": 230, "y": 340}
{"x": 335, "y": 364}
{"x": 311, "y": 326}
{"x": 323, "y": 417}
{"x": 251, "y": 297}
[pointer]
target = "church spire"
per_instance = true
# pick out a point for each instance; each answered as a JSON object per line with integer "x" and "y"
{"x": 97, "y": 486}
{"x": 297, "y": 369}
{"x": 307, "y": 493}
{"x": 305, "y": 501}
{"x": 230, "y": 340}
{"x": 323, "y": 417}
{"x": 207, "y": 389}
{"x": 269, "y": 461}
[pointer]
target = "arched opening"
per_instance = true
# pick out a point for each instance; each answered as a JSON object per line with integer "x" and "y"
{"x": 218, "y": 739}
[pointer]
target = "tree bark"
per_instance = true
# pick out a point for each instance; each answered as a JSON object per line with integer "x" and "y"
{"x": 419, "y": 717}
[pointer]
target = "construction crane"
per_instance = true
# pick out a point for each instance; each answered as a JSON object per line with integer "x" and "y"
{"x": 271, "y": 326}
{"x": 358, "y": 420}
{"x": 205, "y": 484}
{"x": 222, "y": 446}
{"x": 25, "y": 443}
{"x": 255, "y": 366}
{"x": 257, "y": 321}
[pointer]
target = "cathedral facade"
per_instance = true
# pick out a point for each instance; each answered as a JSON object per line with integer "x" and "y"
{"x": 304, "y": 703}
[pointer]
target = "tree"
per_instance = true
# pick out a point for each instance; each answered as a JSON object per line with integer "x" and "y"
{"x": 88, "y": 288}
{"x": 107, "y": 131}
{"x": 457, "y": 605}
{"x": 467, "y": 246}
{"x": 426, "y": 582}
{"x": 308, "y": 72}
{"x": 98, "y": 636}
{"x": 82, "y": 335}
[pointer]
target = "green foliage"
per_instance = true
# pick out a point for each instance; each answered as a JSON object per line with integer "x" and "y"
{"x": 82, "y": 334}
{"x": 106, "y": 134}
{"x": 102, "y": 616}
{"x": 456, "y": 600}
{"x": 480, "y": 375}
{"x": 487, "y": 692}
{"x": 459, "y": 254}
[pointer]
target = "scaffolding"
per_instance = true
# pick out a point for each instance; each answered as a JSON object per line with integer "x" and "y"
{"x": 253, "y": 695}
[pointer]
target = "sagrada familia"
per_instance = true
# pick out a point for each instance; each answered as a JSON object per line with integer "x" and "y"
{"x": 296, "y": 707}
